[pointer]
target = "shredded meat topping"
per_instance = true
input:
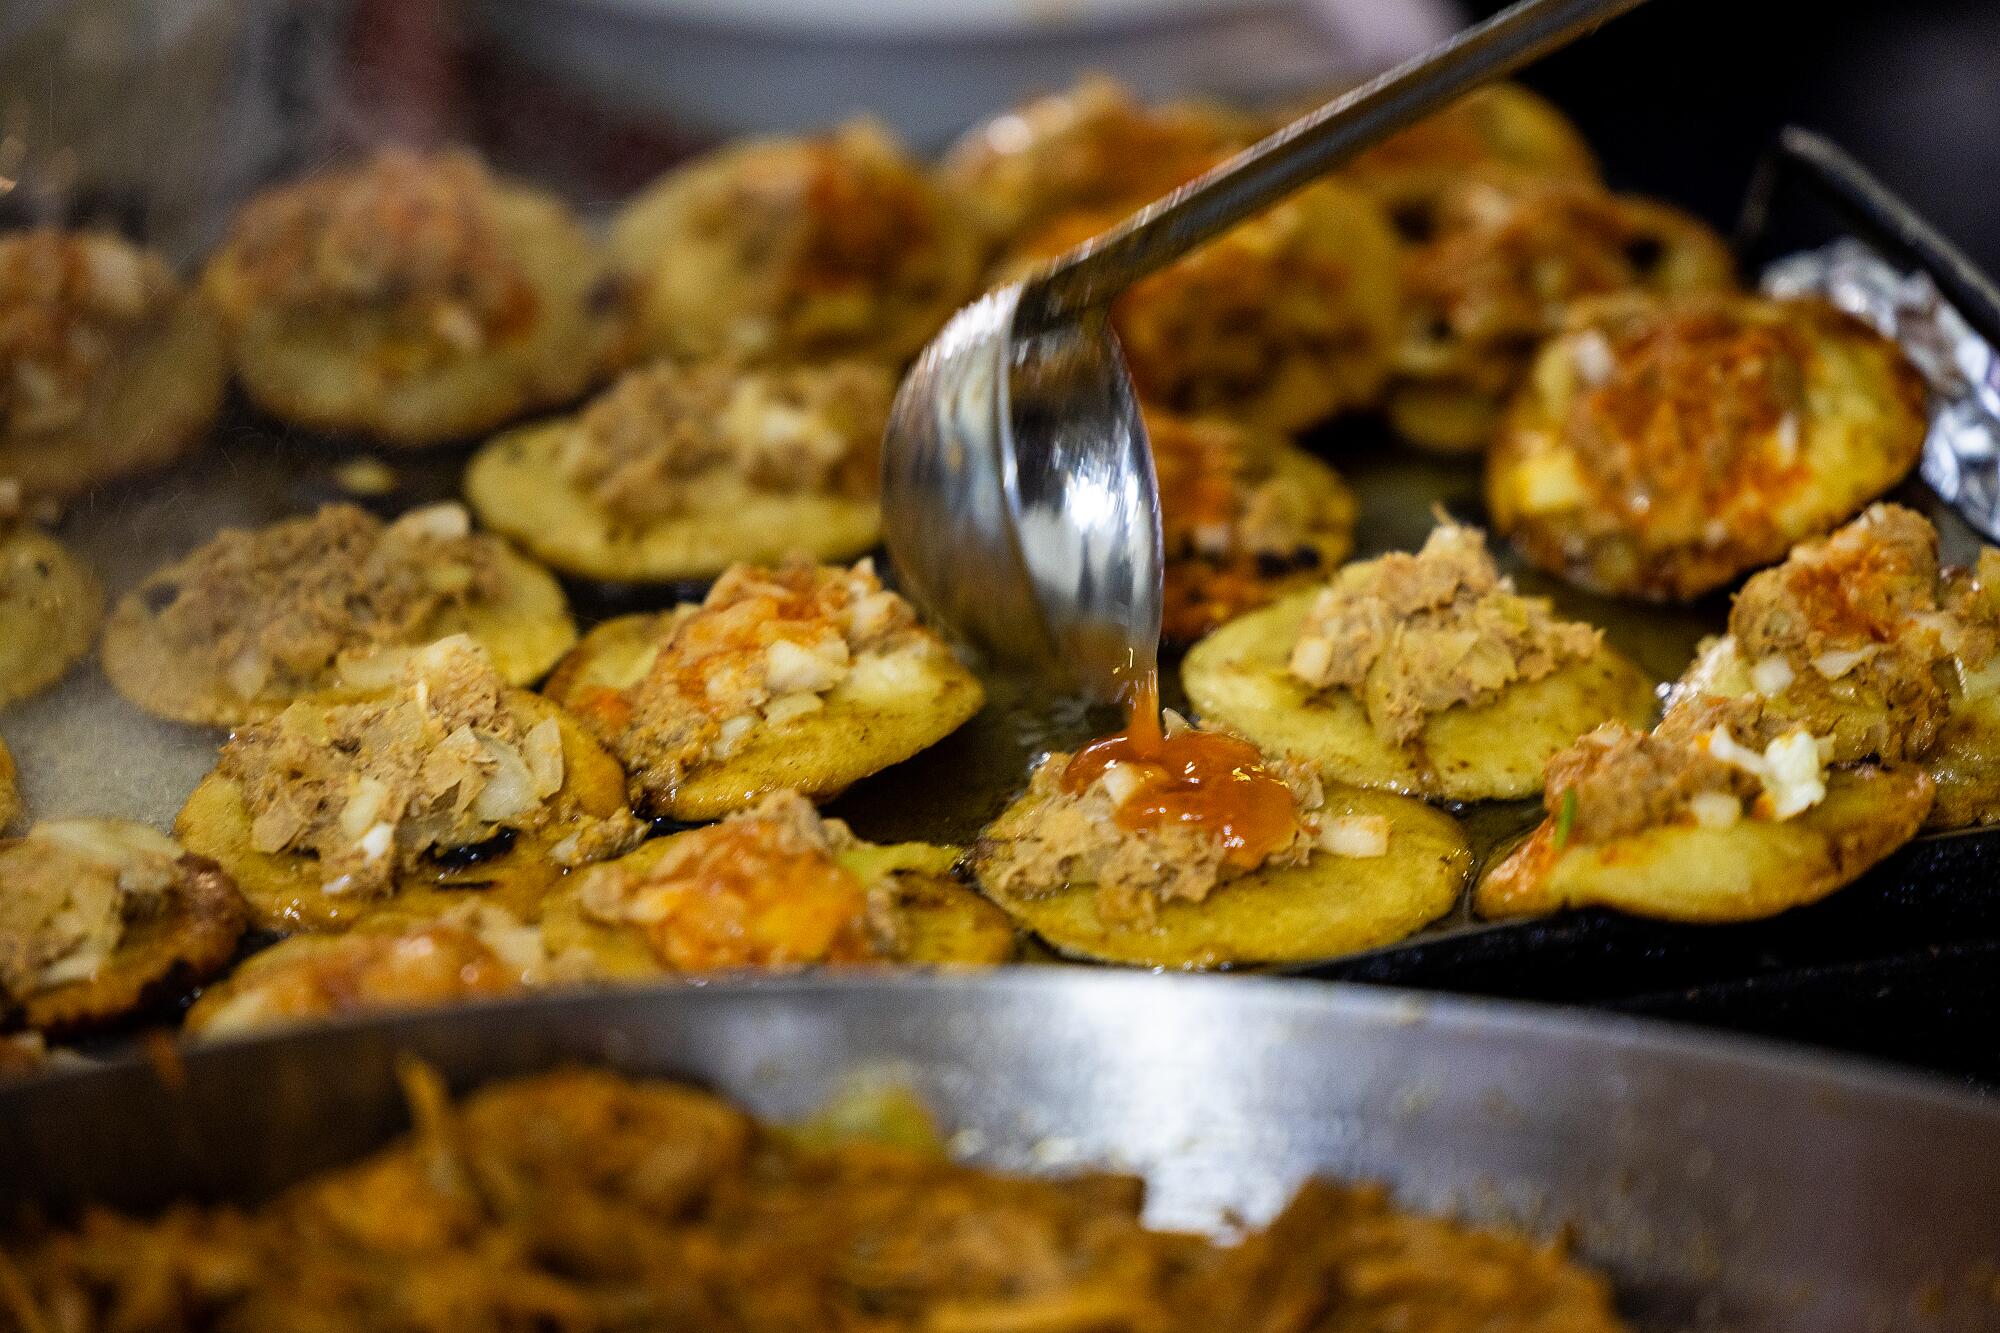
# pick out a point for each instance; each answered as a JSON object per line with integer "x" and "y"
{"x": 276, "y": 607}
{"x": 764, "y": 647}
{"x": 643, "y": 449}
{"x": 761, "y": 889}
{"x": 70, "y": 890}
{"x": 71, "y": 303}
{"x": 1094, "y": 147}
{"x": 1850, "y": 638}
{"x": 1058, "y": 837}
{"x": 1413, "y": 635}
{"x": 843, "y": 232}
{"x": 372, "y": 789}
{"x": 410, "y": 234}
{"x": 1617, "y": 780}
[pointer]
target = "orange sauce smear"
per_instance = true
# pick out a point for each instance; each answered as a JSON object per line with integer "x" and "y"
{"x": 734, "y": 900}
{"x": 1214, "y": 782}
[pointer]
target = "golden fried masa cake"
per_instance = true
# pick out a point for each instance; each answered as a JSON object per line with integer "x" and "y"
{"x": 682, "y": 469}
{"x": 413, "y": 298}
{"x": 778, "y": 887}
{"x": 1425, "y": 674}
{"x": 10, "y": 791}
{"x": 1093, "y": 147}
{"x": 1504, "y": 267}
{"x": 99, "y": 917}
{"x": 1499, "y": 133}
{"x": 1193, "y": 848}
{"x": 448, "y": 785}
{"x": 470, "y": 951}
{"x": 1661, "y": 449}
{"x": 582, "y": 1198}
{"x": 1279, "y": 323}
{"x": 1798, "y": 749}
{"x": 1245, "y": 517}
{"x": 796, "y": 250}
{"x": 109, "y": 364}
{"x": 257, "y": 618}
{"x": 50, "y": 606}
{"x": 802, "y": 677}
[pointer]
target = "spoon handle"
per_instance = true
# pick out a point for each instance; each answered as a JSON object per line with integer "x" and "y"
{"x": 1304, "y": 150}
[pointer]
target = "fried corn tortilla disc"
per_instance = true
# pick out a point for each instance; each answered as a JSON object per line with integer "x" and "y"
{"x": 1327, "y": 907}
{"x": 151, "y": 410}
{"x": 50, "y": 608}
{"x": 1857, "y": 430}
{"x": 526, "y": 630}
{"x": 516, "y": 486}
{"x": 871, "y": 720}
{"x": 283, "y": 888}
{"x": 1755, "y": 868}
{"x": 347, "y": 372}
{"x": 940, "y": 922}
{"x": 1238, "y": 677}
{"x": 10, "y": 792}
{"x": 158, "y": 956}
{"x": 1200, "y": 596}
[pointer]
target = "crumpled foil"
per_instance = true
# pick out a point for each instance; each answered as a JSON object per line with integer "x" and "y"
{"x": 1961, "y": 459}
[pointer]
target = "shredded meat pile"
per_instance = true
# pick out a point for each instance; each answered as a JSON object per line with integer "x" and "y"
{"x": 761, "y": 889}
{"x": 1855, "y": 644}
{"x": 70, "y": 304}
{"x": 70, "y": 890}
{"x": 410, "y": 234}
{"x": 765, "y": 646}
{"x": 1413, "y": 635}
{"x": 371, "y": 789}
{"x": 1057, "y": 838}
{"x": 1851, "y": 638}
{"x": 642, "y": 449}
{"x": 276, "y": 607}
{"x": 580, "y": 1200}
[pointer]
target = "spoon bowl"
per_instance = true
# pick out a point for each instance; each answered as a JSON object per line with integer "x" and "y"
{"x": 1019, "y": 499}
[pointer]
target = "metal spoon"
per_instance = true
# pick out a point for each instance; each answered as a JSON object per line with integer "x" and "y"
{"x": 1017, "y": 487}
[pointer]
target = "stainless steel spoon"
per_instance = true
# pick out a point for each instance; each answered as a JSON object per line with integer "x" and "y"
{"x": 1018, "y": 492}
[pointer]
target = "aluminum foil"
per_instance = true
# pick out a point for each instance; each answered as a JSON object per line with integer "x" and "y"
{"x": 1961, "y": 459}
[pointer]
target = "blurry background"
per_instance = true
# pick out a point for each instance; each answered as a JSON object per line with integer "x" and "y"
{"x": 157, "y": 113}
